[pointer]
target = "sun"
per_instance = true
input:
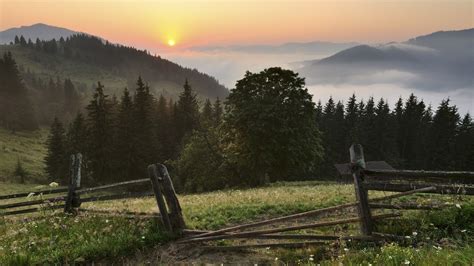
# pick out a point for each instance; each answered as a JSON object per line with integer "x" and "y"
{"x": 171, "y": 42}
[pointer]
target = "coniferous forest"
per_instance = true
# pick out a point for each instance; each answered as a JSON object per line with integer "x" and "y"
{"x": 261, "y": 133}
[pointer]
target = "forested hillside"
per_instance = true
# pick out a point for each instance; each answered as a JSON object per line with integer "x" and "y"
{"x": 57, "y": 71}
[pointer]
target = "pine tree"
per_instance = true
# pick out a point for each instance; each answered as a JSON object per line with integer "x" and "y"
{"x": 352, "y": 121}
{"x": 16, "y": 111}
{"x": 217, "y": 112}
{"x": 384, "y": 134}
{"x": 206, "y": 114}
{"x": 125, "y": 161}
{"x": 464, "y": 147}
{"x": 100, "y": 131}
{"x": 77, "y": 136}
{"x": 17, "y": 40}
{"x": 56, "y": 158}
{"x": 187, "y": 112}
{"x": 442, "y": 137}
{"x": 22, "y": 41}
{"x": 144, "y": 141}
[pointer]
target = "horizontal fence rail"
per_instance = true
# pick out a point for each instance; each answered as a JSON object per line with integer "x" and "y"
{"x": 25, "y": 194}
{"x": 442, "y": 176}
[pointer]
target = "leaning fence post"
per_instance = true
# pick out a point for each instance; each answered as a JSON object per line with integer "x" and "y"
{"x": 155, "y": 182}
{"x": 72, "y": 199}
{"x": 358, "y": 165}
{"x": 176, "y": 216}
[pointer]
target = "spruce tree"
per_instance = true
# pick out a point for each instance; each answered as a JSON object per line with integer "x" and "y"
{"x": 187, "y": 114}
{"x": 464, "y": 147}
{"x": 100, "y": 146}
{"x": 441, "y": 149}
{"x": 56, "y": 158}
{"x": 144, "y": 139}
{"x": 217, "y": 112}
{"x": 206, "y": 114}
{"x": 125, "y": 159}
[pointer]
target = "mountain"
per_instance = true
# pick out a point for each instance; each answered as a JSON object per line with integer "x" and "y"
{"x": 39, "y": 30}
{"x": 439, "y": 61}
{"x": 86, "y": 59}
{"x": 318, "y": 48}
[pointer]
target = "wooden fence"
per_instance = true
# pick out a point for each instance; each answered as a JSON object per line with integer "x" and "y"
{"x": 70, "y": 199}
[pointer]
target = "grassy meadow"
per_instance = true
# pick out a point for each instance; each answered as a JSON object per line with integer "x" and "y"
{"x": 29, "y": 148}
{"x": 432, "y": 238}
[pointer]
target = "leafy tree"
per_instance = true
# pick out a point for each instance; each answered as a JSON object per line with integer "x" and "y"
{"x": 270, "y": 127}
{"x": 56, "y": 158}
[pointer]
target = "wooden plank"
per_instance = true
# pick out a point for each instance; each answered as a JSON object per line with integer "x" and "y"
{"x": 284, "y": 229}
{"x": 30, "y": 210}
{"x": 30, "y": 203}
{"x": 104, "y": 187}
{"x": 358, "y": 165}
{"x": 451, "y": 176}
{"x": 68, "y": 208}
{"x": 175, "y": 213}
{"x": 308, "y": 213}
{"x": 406, "y": 206}
{"x": 437, "y": 188}
{"x": 155, "y": 181}
{"x": 128, "y": 195}
{"x": 25, "y": 194}
{"x": 268, "y": 245}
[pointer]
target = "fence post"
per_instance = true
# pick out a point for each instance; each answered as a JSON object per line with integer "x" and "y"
{"x": 155, "y": 182}
{"x": 358, "y": 165}
{"x": 174, "y": 207}
{"x": 73, "y": 199}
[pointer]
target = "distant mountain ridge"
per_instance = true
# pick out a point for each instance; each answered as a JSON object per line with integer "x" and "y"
{"x": 316, "y": 47}
{"x": 39, "y": 30}
{"x": 438, "y": 61}
{"x": 87, "y": 59}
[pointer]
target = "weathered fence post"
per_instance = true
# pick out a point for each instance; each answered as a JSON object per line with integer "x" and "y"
{"x": 155, "y": 182}
{"x": 358, "y": 165}
{"x": 73, "y": 200}
{"x": 175, "y": 214}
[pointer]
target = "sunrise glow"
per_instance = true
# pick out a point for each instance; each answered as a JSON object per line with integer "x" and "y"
{"x": 171, "y": 42}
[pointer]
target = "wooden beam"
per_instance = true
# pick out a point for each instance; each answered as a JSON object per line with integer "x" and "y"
{"x": 30, "y": 203}
{"x": 175, "y": 213}
{"x": 437, "y": 188}
{"x": 358, "y": 165}
{"x": 284, "y": 229}
{"x": 451, "y": 176}
{"x": 25, "y": 194}
{"x": 104, "y": 187}
{"x": 307, "y": 214}
{"x": 155, "y": 181}
{"x": 268, "y": 245}
{"x": 406, "y": 206}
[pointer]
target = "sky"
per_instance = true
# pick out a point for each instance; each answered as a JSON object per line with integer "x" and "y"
{"x": 147, "y": 24}
{"x": 150, "y": 24}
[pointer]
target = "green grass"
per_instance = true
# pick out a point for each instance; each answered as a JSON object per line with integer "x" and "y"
{"x": 28, "y": 147}
{"x": 433, "y": 238}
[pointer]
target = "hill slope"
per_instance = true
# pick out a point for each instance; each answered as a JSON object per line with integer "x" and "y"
{"x": 39, "y": 30}
{"x": 441, "y": 61}
{"x": 28, "y": 147}
{"x": 86, "y": 60}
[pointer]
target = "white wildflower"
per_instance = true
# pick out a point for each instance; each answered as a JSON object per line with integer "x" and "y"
{"x": 458, "y": 206}
{"x": 311, "y": 259}
{"x": 406, "y": 262}
{"x": 276, "y": 259}
{"x": 414, "y": 233}
{"x": 346, "y": 249}
{"x": 106, "y": 221}
{"x": 143, "y": 237}
{"x": 53, "y": 184}
{"x": 463, "y": 231}
{"x": 407, "y": 237}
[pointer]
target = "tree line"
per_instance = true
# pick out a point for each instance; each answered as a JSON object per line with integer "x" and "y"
{"x": 268, "y": 129}
{"x": 120, "y": 137}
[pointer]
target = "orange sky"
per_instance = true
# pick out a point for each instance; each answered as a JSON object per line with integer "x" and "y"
{"x": 148, "y": 24}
